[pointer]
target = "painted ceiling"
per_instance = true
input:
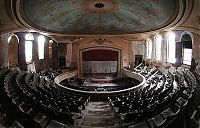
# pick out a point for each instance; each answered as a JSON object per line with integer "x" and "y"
{"x": 98, "y": 17}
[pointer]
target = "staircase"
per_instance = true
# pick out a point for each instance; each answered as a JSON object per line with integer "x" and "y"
{"x": 99, "y": 115}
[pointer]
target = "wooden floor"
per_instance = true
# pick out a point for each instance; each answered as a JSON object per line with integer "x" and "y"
{"x": 99, "y": 115}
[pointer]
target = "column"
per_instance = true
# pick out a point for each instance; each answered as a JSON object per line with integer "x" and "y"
{"x": 68, "y": 56}
{"x": 4, "y": 43}
{"x": 164, "y": 48}
{"x": 153, "y": 55}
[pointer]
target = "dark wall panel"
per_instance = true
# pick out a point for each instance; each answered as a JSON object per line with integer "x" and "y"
{"x": 100, "y": 55}
{"x": 1, "y": 53}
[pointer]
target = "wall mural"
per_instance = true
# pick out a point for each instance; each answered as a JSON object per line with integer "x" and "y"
{"x": 92, "y": 17}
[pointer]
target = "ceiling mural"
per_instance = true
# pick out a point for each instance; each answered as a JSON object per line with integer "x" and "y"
{"x": 98, "y": 17}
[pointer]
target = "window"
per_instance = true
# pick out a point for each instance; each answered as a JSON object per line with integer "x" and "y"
{"x": 9, "y": 38}
{"x": 29, "y": 37}
{"x": 28, "y": 47}
{"x": 13, "y": 37}
{"x": 50, "y": 49}
{"x": 187, "y": 49}
{"x": 171, "y": 47}
{"x": 187, "y": 55}
{"x": 158, "y": 47}
{"x": 149, "y": 48}
{"x": 41, "y": 41}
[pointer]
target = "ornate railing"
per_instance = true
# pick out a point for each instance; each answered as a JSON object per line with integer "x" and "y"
{"x": 64, "y": 76}
{"x": 128, "y": 73}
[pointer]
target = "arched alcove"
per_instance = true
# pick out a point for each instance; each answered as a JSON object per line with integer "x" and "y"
{"x": 186, "y": 41}
{"x": 13, "y": 51}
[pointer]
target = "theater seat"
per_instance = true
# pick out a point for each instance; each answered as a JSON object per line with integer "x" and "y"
{"x": 174, "y": 109}
{"x": 139, "y": 125}
{"x": 196, "y": 116}
{"x": 25, "y": 108}
{"x": 55, "y": 124}
{"x": 186, "y": 94}
{"x": 181, "y": 102}
{"x": 41, "y": 119}
{"x": 166, "y": 113}
{"x": 156, "y": 121}
{"x": 171, "y": 111}
{"x": 16, "y": 124}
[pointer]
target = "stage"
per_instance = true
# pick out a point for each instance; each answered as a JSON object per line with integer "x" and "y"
{"x": 102, "y": 82}
{"x": 103, "y": 79}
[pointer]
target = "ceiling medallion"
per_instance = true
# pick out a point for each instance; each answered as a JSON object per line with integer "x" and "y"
{"x": 99, "y": 7}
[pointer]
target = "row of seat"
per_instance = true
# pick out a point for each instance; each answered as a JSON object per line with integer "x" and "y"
{"x": 142, "y": 103}
{"x": 28, "y": 98}
{"x": 179, "y": 95}
{"x": 37, "y": 104}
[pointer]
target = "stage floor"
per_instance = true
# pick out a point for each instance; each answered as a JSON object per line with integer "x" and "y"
{"x": 100, "y": 84}
{"x": 101, "y": 79}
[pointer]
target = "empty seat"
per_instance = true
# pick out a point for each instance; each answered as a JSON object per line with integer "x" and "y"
{"x": 156, "y": 121}
{"x": 174, "y": 109}
{"x": 166, "y": 113}
{"x": 55, "y": 124}
{"x": 130, "y": 116}
{"x": 25, "y": 108}
{"x": 196, "y": 116}
{"x": 139, "y": 125}
{"x": 16, "y": 124}
{"x": 170, "y": 112}
{"x": 41, "y": 119}
{"x": 187, "y": 94}
{"x": 181, "y": 102}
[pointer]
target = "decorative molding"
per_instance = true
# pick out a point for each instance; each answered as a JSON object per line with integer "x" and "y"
{"x": 100, "y": 41}
{"x": 99, "y": 17}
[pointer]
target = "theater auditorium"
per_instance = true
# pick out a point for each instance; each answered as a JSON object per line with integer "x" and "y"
{"x": 100, "y": 64}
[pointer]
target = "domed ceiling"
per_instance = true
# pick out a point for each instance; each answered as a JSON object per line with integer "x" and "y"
{"x": 98, "y": 17}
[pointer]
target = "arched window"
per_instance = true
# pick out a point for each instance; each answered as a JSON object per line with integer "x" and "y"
{"x": 149, "y": 48}
{"x": 158, "y": 47}
{"x": 9, "y": 38}
{"x": 50, "y": 49}
{"x": 171, "y": 47}
{"x": 187, "y": 48}
{"x": 28, "y": 47}
{"x": 41, "y": 41}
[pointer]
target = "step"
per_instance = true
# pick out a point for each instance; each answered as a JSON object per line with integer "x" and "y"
{"x": 98, "y": 124}
{"x": 100, "y": 113}
{"x": 97, "y": 127}
{"x": 98, "y": 103}
{"x": 99, "y": 118}
{"x": 100, "y": 110}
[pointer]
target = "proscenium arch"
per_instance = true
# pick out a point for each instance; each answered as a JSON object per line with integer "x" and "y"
{"x": 102, "y": 47}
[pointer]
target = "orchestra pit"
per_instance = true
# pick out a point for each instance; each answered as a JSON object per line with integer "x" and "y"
{"x": 100, "y": 64}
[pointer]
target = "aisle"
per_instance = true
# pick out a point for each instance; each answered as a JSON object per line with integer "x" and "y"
{"x": 100, "y": 115}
